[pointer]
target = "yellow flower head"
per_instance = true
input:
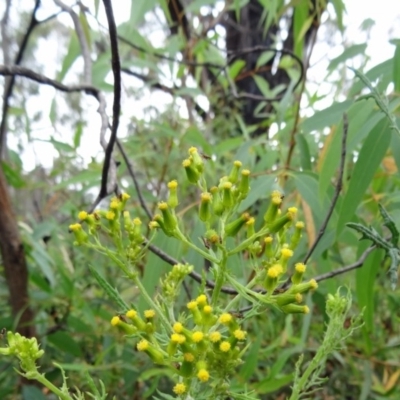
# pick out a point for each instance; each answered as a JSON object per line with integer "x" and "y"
{"x": 227, "y": 185}
{"x": 239, "y": 334}
{"x": 149, "y": 314}
{"x": 205, "y": 197}
{"x": 114, "y": 204}
{"x": 277, "y": 200}
{"x": 202, "y": 299}
{"x": 192, "y": 150}
{"x": 178, "y": 327}
{"x": 110, "y": 215}
{"x": 189, "y": 357}
{"x": 268, "y": 240}
{"x": 286, "y": 253}
{"x": 225, "y": 346}
{"x": 300, "y": 267}
{"x": 153, "y": 225}
{"x": 137, "y": 221}
{"x": 215, "y": 337}
{"x": 192, "y": 305}
{"x": 207, "y": 309}
{"x": 197, "y": 336}
{"x": 203, "y": 375}
{"x": 179, "y": 388}
{"x": 225, "y": 318}
{"x": 131, "y": 314}
{"x": 143, "y": 345}
{"x": 115, "y": 320}
{"x": 246, "y": 172}
{"x": 75, "y": 227}
{"x": 82, "y": 215}
{"x": 178, "y": 338}
{"x": 237, "y": 163}
{"x": 186, "y": 163}
{"x": 162, "y": 205}
{"x": 125, "y": 196}
{"x": 173, "y": 184}
{"x": 313, "y": 283}
{"x": 299, "y": 224}
{"x": 250, "y": 221}
{"x": 292, "y": 210}
{"x": 306, "y": 310}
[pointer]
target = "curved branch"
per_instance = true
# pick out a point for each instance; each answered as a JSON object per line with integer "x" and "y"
{"x": 116, "y": 68}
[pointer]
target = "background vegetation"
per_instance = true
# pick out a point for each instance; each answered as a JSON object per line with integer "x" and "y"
{"x": 235, "y": 79}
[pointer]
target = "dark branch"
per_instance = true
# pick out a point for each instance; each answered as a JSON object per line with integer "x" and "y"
{"x": 359, "y": 263}
{"x": 135, "y": 181}
{"x": 116, "y": 68}
{"x": 338, "y": 189}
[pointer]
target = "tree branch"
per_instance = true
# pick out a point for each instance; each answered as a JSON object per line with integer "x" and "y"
{"x": 338, "y": 188}
{"x": 116, "y": 68}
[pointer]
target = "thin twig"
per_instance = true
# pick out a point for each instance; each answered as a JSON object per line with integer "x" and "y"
{"x": 135, "y": 181}
{"x": 359, "y": 263}
{"x": 292, "y": 142}
{"x": 338, "y": 188}
{"x": 116, "y": 68}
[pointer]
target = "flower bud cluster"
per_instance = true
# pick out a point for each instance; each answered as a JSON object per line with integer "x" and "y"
{"x": 26, "y": 350}
{"x": 209, "y": 347}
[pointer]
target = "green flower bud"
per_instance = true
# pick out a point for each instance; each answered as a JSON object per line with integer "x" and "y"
{"x": 303, "y": 287}
{"x": 227, "y": 198}
{"x": 244, "y": 184}
{"x": 296, "y": 235}
{"x": 272, "y": 210}
{"x": 197, "y": 160}
{"x": 81, "y": 236}
{"x": 234, "y": 175}
{"x": 173, "y": 194}
{"x": 205, "y": 208}
{"x": 218, "y": 207}
{"x": 295, "y": 309}
{"x": 271, "y": 281}
{"x": 299, "y": 270}
{"x": 136, "y": 320}
{"x": 170, "y": 221}
{"x": 192, "y": 173}
{"x": 151, "y": 351}
{"x": 250, "y": 227}
{"x": 232, "y": 229}
{"x": 280, "y": 222}
{"x": 269, "y": 250}
{"x": 288, "y": 298}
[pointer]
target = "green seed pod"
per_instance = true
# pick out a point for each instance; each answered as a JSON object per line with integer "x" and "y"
{"x": 173, "y": 194}
{"x": 244, "y": 184}
{"x": 227, "y": 198}
{"x": 192, "y": 173}
{"x": 170, "y": 220}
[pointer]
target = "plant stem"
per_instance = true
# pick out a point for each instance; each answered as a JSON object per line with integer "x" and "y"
{"x": 41, "y": 378}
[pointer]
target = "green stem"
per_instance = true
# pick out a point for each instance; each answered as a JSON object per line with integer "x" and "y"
{"x": 249, "y": 241}
{"x": 41, "y": 378}
{"x": 150, "y": 301}
{"x": 219, "y": 281}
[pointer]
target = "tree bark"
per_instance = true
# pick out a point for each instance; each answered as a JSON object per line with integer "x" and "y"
{"x": 14, "y": 263}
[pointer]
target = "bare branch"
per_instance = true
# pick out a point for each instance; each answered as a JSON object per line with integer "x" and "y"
{"x": 338, "y": 188}
{"x": 116, "y": 68}
{"x": 359, "y": 263}
{"x": 134, "y": 178}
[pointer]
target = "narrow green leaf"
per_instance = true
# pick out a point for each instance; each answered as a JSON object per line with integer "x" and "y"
{"x": 73, "y": 53}
{"x": 348, "y": 53}
{"x": 112, "y": 292}
{"x": 305, "y": 156}
{"x": 370, "y": 156}
{"x": 396, "y": 69}
{"x": 365, "y": 280}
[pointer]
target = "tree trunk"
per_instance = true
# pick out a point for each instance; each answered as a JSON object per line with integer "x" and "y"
{"x": 14, "y": 263}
